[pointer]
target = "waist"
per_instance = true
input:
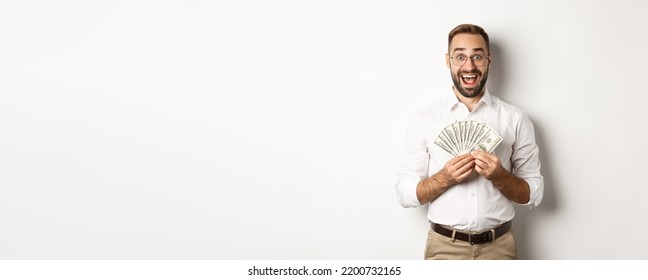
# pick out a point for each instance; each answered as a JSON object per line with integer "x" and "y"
{"x": 473, "y": 238}
{"x": 465, "y": 209}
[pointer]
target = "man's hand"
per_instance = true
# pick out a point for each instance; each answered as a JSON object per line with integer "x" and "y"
{"x": 454, "y": 172}
{"x": 457, "y": 169}
{"x": 488, "y": 165}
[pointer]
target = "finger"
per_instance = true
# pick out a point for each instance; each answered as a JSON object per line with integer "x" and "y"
{"x": 464, "y": 164}
{"x": 481, "y": 163}
{"x": 466, "y": 167}
{"x": 459, "y": 158}
{"x": 465, "y": 170}
{"x": 476, "y": 153}
{"x": 465, "y": 160}
{"x": 480, "y": 170}
{"x": 481, "y": 155}
{"x": 487, "y": 160}
{"x": 463, "y": 176}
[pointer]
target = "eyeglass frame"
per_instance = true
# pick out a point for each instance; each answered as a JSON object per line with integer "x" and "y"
{"x": 487, "y": 57}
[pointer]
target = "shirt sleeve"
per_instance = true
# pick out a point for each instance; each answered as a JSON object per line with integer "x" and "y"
{"x": 526, "y": 164}
{"x": 414, "y": 164}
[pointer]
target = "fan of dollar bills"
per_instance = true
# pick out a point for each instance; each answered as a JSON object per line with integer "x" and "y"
{"x": 464, "y": 136}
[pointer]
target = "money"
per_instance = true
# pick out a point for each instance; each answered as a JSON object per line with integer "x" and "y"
{"x": 465, "y": 136}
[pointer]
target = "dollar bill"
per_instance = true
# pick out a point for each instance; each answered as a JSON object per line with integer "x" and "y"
{"x": 465, "y": 136}
{"x": 490, "y": 141}
{"x": 443, "y": 144}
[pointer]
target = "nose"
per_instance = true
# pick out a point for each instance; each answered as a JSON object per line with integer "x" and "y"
{"x": 469, "y": 65}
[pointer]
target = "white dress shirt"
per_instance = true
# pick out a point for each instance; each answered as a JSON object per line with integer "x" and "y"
{"x": 475, "y": 204}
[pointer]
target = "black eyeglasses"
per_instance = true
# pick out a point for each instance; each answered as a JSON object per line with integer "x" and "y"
{"x": 477, "y": 59}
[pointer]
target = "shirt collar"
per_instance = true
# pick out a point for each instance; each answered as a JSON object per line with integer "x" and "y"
{"x": 452, "y": 100}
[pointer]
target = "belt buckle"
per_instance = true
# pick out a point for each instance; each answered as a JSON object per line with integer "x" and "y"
{"x": 480, "y": 238}
{"x": 471, "y": 239}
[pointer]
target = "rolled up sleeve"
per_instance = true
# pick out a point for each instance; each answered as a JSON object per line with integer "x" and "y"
{"x": 414, "y": 164}
{"x": 526, "y": 162}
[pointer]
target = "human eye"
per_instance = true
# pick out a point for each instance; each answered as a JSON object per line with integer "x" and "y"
{"x": 477, "y": 57}
{"x": 460, "y": 57}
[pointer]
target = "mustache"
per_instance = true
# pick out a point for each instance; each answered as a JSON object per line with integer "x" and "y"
{"x": 470, "y": 72}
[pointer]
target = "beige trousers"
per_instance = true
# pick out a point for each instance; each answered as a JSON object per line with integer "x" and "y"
{"x": 441, "y": 247}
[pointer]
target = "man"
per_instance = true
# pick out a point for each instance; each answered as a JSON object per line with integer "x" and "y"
{"x": 471, "y": 196}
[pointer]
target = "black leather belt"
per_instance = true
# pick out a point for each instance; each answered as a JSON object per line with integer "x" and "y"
{"x": 477, "y": 238}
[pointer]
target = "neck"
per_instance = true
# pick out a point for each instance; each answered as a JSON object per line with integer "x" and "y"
{"x": 470, "y": 102}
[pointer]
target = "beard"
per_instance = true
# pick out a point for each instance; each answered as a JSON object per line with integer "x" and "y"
{"x": 470, "y": 92}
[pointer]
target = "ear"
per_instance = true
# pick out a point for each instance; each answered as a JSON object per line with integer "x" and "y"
{"x": 448, "y": 60}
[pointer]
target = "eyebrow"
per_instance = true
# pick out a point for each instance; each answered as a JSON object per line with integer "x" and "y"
{"x": 463, "y": 49}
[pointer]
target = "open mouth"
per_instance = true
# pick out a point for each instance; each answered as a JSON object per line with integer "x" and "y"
{"x": 469, "y": 79}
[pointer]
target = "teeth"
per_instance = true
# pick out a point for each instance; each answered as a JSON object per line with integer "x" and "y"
{"x": 469, "y": 76}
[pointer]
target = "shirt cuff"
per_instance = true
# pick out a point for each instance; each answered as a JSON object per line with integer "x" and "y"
{"x": 406, "y": 190}
{"x": 536, "y": 190}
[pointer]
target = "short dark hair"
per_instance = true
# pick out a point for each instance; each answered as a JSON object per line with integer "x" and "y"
{"x": 470, "y": 29}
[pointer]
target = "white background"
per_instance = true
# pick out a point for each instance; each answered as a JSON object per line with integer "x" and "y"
{"x": 272, "y": 129}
